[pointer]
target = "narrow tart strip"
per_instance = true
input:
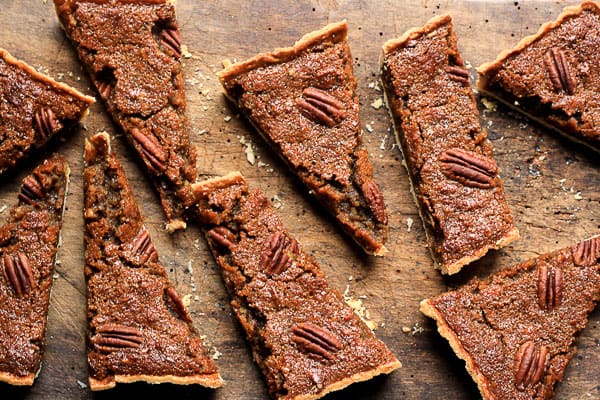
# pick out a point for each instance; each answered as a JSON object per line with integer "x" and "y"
{"x": 34, "y": 109}
{"x": 453, "y": 174}
{"x": 305, "y": 339}
{"x": 554, "y": 75}
{"x": 28, "y": 246}
{"x": 138, "y": 326}
{"x": 302, "y": 101}
{"x": 131, "y": 50}
{"x": 516, "y": 330}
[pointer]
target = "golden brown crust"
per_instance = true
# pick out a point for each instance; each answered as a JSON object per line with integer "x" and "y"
{"x": 414, "y": 33}
{"x": 44, "y": 78}
{"x": 336, "y": 31}
{"x": 446, "y": 332}
{"x": 14, "y": 380}
{"x": 490, "y": 68}
{"x": 212, "y": 381}
{"x": 360, "y": 377}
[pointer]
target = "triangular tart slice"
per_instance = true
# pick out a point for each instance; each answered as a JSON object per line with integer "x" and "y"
{"x": 305, "y": 339}
{"x": 131, "y": 50}
{"x": 516, "y": 330}
{"x": 554, "y": 75}
{"x": 302, "y": 101}
{"x": 454, "y": 177}
{"x": 138, "y": 326}
{"x": 33, "y": 109}
{"x": 28, "y": 246}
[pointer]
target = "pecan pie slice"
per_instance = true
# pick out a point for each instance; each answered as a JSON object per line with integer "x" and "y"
{"x": 28, "y": 246}
{"x": 302, "y": 101}
{"x": 139, "y": 329}
{"x": 34, "y": 108}
{"x": 516, "y": 330}
{"x": 554, "y": 76}
{"x": 132, "y": 52}
{"x": 449, "y": 160}
{"x": 306, "y": 340}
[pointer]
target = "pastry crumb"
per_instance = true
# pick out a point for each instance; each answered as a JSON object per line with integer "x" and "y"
{"x": 409, "y": 223}
{"x": 369, "y": 128}
{"x": 187, "y": 300}
{"x": 227, "y": 118}
{"x": 56, "y": 275}
{"x": 377, "y": 104}
{"x": 416, "y": 329}
{"x": 276, "y": 202}
{"x": 216, "y": 354}
{"x": 359, "y": 309}
{"x": 578, "y": 196}
{"x": 382, "y": 145}
{"x": 405, "y": 329}
{"x": 82, "y": 385}
{"x": 184, "y": 52}
{"x": 249, "y": 151}
{"x": 3, "y": 208}
{"x": 489, "y": 105}
{"x": 226, "y": 63}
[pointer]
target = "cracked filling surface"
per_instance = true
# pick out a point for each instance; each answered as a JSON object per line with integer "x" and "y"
{"x": 131, "y": 50}
{"x": 326, "y": 152}
{"x": 306, "y": 340}
{"x": 434, "y": 111}
{"x": 128, "y": 288}
{"x": 490, "y": 320}
{"x": 33, "y": 231}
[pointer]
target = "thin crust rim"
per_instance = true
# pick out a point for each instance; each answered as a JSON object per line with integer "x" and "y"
{"x": 447, "y": 333}
{"x": 285, "y": 53}
{"x": 490, "y": 68}
{"x": 22, "y": 65}
{"x": 15, "y": 380}
{"x": 212, "y": 381}
{"x": 389, "y": 46}
{"x": 359, "y": 377}
{"x": 416, "y": 32}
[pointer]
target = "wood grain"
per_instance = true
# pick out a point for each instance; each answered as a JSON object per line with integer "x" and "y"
{"x": 551, "y": 185}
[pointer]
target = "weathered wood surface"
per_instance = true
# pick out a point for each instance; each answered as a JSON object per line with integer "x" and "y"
{"x": 551, "y": 184}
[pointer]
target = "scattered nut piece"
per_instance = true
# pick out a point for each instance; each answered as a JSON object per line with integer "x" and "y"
{"x": 377, "y": 104}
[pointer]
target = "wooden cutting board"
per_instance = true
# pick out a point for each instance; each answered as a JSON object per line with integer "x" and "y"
{"x": 551, "y": 185}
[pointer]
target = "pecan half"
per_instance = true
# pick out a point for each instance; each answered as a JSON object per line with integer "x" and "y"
{"x": 143, "y": 247}
{"x": 170, "y": 38}
{"x": 46, "y": 123}
{"x": 18, "y": 273}
{"x": 276, "y": 259}
{"x": 31, "y": 190}
{"x": 321, "y": 107}
{"x": 587, "y": 252}
{"x": 469, "y": 168}
{"x": 550, "y": 286}
{"x": 151, "y": 149}
{"x": 458, "y": 74}
{"x": 315, "y": 340}
{"x": 115, "y": 337}
{"x": 221, "y": 237}
{"x": 559, "y": 70}
{"x": 375, "y": 201}
{"x": 175, "y": 303}
{"x": 530, "y": 364}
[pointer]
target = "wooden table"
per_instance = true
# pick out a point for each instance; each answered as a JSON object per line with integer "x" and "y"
{"x": 551, "y": 185}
